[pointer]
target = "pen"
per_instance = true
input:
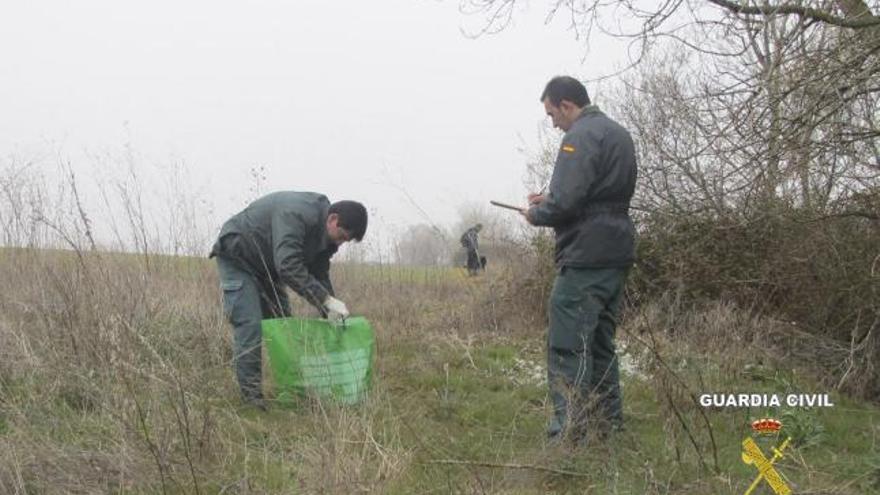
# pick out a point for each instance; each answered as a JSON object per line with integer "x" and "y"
{"x": 543, "y": 189}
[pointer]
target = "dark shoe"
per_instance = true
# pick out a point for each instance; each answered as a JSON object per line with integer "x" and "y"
{"x": 255, "y": 400}
{"x": 569, "y": 439}
{"x": 610, "y": 430}
{"x": 555, "y": 429}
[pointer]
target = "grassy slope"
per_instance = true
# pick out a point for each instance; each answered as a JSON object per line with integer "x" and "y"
{"x": 115, "y": 378}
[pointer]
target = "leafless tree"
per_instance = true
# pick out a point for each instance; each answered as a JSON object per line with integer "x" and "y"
{"x": 741, "y": 101}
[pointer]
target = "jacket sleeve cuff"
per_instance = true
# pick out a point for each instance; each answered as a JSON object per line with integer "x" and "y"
{"x": 317, "y": 294}
{"x": 538, "y": 216}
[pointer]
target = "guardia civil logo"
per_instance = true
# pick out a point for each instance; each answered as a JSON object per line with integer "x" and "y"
{"x": 753, "y": 456}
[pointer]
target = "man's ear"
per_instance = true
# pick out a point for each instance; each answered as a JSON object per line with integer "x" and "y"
{"x": 567, "y": 106}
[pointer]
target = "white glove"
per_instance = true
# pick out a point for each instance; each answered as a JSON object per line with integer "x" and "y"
{"x": 336, "y": 310}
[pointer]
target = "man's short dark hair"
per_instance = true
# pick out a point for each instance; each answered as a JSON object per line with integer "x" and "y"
{"x": 352, "y": 218}
{"x": 566, "y": 88}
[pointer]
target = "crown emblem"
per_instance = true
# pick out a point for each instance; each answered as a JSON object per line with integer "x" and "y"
{"x": 766, "y": 426}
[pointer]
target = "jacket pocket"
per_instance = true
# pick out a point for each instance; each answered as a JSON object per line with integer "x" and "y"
{"x": 231, "y": 294}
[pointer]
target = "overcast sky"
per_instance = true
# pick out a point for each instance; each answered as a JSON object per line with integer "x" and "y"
{"x": 349, "y": 98}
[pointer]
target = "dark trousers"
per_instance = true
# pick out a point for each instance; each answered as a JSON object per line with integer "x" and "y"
{"x": 246, "y": 302}
{"x": 582, "y": 365}
{"x": 473, "y": 262}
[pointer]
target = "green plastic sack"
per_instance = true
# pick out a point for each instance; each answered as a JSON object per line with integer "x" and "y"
{"x": 316, "y": 357}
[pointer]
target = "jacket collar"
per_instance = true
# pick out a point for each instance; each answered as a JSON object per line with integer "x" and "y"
{"x": 325, "y": 241}
{"x": 588, "y": 110}
{"x": 326, "y": 245}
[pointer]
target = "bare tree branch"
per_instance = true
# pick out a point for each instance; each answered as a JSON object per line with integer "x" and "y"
{"x": 818, "y": 15}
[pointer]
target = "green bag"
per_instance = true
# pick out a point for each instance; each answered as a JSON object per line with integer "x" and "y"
{"x": 316, "y": 357}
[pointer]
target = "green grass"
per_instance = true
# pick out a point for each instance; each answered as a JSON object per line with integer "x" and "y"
{"x": 473, "y": 411}
{"x": 455, "y": 408}
{"x": 443, "y": 406}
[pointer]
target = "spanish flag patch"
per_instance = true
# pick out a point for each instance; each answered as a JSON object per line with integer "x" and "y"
{"x": 568, "y": 148}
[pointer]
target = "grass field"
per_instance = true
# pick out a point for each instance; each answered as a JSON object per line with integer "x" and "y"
{"x": 115, "y": 377}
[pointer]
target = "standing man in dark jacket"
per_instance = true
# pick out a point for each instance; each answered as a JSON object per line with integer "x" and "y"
{"x": 470, "y": 241}
{"x": 587, "y": 204}
{"x": 282, "y": 239}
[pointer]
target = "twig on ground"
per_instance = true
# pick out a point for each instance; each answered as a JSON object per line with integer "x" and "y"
{"x": 507, "y": 465}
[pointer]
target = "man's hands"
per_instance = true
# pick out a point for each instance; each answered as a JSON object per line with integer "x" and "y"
{"x": 534, "y": 199}
{"x": 336, "y": 310}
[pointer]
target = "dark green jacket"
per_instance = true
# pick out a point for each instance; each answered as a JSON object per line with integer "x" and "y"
{"x": 470, "y": 239}
{"x": 281, "y": 238}
{"x": 587, "y": 202}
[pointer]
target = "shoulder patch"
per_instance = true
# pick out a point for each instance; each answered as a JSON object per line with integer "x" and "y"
{"x": 568, "y": 148}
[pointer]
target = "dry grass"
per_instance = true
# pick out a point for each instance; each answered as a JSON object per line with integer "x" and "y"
{"x": 115, "y": 377}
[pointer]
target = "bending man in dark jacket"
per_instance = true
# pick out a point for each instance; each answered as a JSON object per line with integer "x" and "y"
{"x": 282, "y": 239}
{"x": 587, "y": 205}
{"x": 470, "y": 241}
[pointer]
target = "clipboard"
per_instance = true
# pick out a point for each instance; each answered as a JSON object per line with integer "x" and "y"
{"x": 505, "y": 205}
